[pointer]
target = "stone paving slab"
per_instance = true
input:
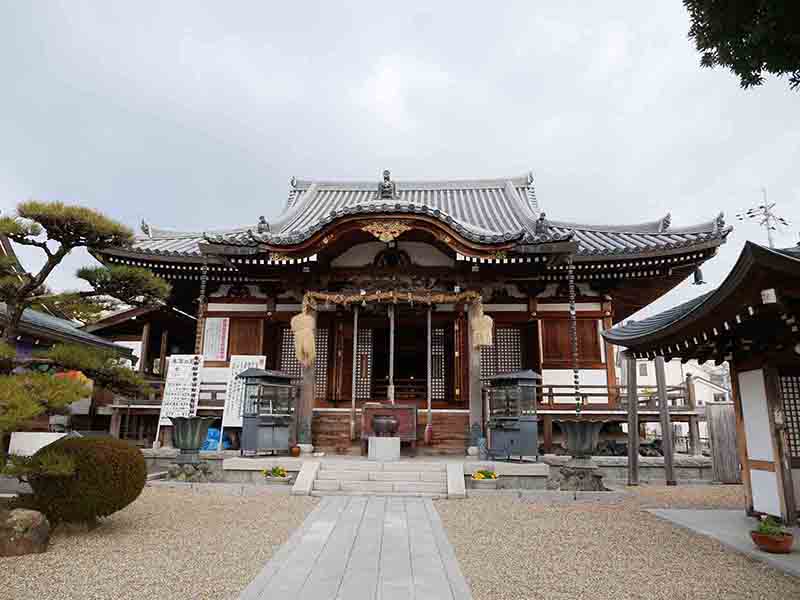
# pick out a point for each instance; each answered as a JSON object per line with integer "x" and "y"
{"x": 732, "y": 528}
{"x": 364, "y": 548}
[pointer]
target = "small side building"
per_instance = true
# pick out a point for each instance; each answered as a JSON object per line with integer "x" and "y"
{"x": 752, "y": 321}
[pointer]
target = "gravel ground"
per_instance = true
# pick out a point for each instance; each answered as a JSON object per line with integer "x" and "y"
{"x": 169, "y": 544}
{"x": 509, "y": 549}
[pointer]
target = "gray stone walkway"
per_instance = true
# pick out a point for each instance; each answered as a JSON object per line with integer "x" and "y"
{"x": 732, "y": 528}
{"x": 360, "y": 548}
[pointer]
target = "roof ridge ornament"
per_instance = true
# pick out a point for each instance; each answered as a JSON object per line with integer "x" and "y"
{"x": 263, "y": 226}
{"x": 387, "y": 188}
{"x": 531, "y": 194}
{"x": 146, "y": 229}
{"x": 665, "y": 223}
{"x": 542, "y": 226}
{"x": 719, "y": 222}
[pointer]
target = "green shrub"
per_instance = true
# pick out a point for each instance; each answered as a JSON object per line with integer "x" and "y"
{"x": 108, "y": 475}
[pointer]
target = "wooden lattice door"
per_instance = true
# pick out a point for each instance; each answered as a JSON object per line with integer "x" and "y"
{"x": 288, "y": 362}
{"x": 790, "y": 395}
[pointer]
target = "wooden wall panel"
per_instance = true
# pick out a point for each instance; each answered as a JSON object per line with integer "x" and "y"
{"x": 246, "y": 336}
{"x": 557, "y": 347}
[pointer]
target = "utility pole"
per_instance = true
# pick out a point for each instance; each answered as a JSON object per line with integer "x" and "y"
{"x": 766, "y": 217}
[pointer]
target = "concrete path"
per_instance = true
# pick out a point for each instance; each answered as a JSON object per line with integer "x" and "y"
{"x": 732, "y": 528}
{"x": 360, "y": 548}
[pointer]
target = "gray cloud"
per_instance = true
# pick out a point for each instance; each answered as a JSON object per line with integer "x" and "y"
{"x": 196, "y": 114}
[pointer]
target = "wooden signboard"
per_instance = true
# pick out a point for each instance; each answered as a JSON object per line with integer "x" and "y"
{"x": 215, "y": 338}
{"x": 234, "y": 394}
{"x": 182, "y": 387}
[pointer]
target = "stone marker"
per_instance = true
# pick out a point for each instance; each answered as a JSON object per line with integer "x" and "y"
{"x": 384, "y": 448}
{"x": 23, "y": 531}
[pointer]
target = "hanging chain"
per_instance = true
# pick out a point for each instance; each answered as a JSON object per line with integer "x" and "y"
{"x": 573, "y": 334}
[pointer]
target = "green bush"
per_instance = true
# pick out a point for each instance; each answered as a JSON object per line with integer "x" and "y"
{"x": 108, "y": 475}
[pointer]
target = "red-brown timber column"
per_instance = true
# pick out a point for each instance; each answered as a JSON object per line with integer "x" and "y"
{"x": 611, "y": 367}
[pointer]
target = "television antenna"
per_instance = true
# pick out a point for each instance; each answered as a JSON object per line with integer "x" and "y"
{"x": 765, "y": 215}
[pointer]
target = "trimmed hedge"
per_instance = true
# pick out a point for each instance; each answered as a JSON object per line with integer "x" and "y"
{"x": 109, "y": 475}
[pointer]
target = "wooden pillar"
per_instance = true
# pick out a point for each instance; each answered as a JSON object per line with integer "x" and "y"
{"x": 666, "y": 424}
{"x": 429, "y": 423}
{"x": 474, "y": 376}
{"x": 390, "y": 389}
{"x": 633, "y": 420}
{"x": 116, "y": 424}
{"x": 355, "y": 369}
{"x": 144, "y": 355}
{"x": 611, "y": 367}
{"x": 162, "y": 358}
{"x": 547, "y": 434}
{"x": 306, "y": 412}
{"x": 694, "y": 426}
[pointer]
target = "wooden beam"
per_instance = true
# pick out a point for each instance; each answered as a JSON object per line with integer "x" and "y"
{"x": 144, "y": 355}
{"x": 694, "y": 426}
{"x": 162, "y": 357}
{"x": 355, "y": 369}
{"x": 666, "y": 425}
{"x": 633, "y": 421}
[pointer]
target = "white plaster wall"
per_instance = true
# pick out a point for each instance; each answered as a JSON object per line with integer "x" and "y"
{"x": 420, "y": 253}
{"x": 765, "y": 492}
{"x": 27, "y": 443}
{"x": 754, "y": 413}
{"x": 564, "y": 377}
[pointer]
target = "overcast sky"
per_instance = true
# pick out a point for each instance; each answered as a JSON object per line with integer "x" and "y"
{"x": 195, "y": 115}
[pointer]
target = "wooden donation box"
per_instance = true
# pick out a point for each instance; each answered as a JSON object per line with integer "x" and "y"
{"x": 406, "y": 421}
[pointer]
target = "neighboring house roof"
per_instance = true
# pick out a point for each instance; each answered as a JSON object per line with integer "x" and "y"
{"x": 489, "y": 211}
{"x": 754, "y": 261}
{"x": 122, "y": 316}
{"x": 41, "y": 325}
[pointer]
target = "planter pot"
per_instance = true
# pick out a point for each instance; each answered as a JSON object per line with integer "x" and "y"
{"x": 188, "y": 435}
{"x": 278, "y": 480}
{"x": 294, "y": 451}
{"x": 775, "y": 544}
{"x": 484, "y": 484}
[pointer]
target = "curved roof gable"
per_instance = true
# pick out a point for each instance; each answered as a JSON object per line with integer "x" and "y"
{"x": 486, "y": 211}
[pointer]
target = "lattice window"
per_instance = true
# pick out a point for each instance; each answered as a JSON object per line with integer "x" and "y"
{"x": 790, "y": 392}
{"x": 321, "y": 377}
{"x": 437, "y": 364}
{"x": 364, "y": 364}
{"x": 288, "y": 362}
{"x": 505, "y": 355}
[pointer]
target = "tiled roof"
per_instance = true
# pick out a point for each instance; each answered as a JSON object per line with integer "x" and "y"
{"x": 753, "y": 258}
{"x": 489, "y": 211}
{"x": 631, "y": 330}
{"x": 52, "y": 328}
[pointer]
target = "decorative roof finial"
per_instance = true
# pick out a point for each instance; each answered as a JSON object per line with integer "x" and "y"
{"x": 263, "y": 226}
{"x": 387, "y": 188}
{"x": 542, "y": 227}
{"x": 530, "y": 177}
{"x": 719, "y": 222}
{"x": 293, "y": 181}
{"x": 145, "y": 227}
{"x": 665, "y": 223}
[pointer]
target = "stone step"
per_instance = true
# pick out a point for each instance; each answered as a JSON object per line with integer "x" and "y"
{"x": 401, "y": 487}
{"x": 433, "y": 496}
{"x": 373, "y": 466}
{"x": 383, "y": 476}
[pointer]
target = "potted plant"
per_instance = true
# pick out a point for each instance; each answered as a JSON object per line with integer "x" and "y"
{"x": 484, "y": 479}
{"x": 277, "y": 475}
{"x": 771, "y": 536}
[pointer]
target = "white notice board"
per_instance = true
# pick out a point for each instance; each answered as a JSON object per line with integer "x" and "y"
{"x": 215, "y": 338}
{"x": 182, "y": 387}
{"x": 234, "y": 394}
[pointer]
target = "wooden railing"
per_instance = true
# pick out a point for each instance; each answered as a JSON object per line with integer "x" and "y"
{"x": 616, "y": 396}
